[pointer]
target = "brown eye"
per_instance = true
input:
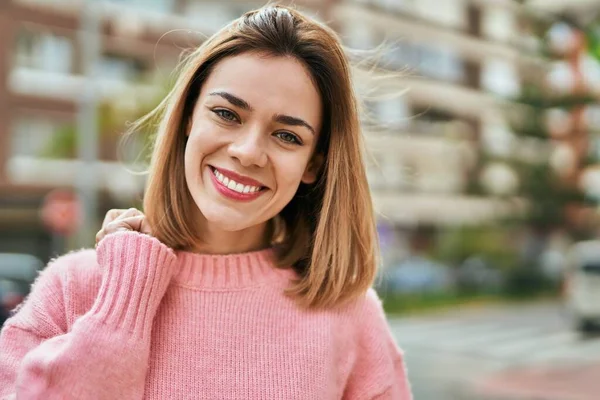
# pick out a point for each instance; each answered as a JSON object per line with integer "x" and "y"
{"x": 226, "y": 115}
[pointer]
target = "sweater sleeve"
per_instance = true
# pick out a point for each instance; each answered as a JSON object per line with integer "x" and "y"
{"x": 379, "y": 371}
{"x": 105, "y": 353}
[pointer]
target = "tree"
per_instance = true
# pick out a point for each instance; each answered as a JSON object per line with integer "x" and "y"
{"x": 553, "y": 141}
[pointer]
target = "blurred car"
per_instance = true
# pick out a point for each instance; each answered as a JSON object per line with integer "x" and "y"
{"x": 17, "y": 273}
{"x": 581, "y": 288}
{"x": 417, "y": 275}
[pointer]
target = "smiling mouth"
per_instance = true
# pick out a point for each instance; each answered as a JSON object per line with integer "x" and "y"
{"x": 235, "y": 186}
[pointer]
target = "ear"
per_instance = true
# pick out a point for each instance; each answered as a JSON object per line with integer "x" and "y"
{"x": 312, "y": 169}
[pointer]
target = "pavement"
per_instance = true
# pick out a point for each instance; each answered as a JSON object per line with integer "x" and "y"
{"x": 520, "y": 352}
{"x": 552, "y": 382}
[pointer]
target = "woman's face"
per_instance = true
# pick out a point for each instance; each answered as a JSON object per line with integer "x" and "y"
{"x": 251, "y": 139}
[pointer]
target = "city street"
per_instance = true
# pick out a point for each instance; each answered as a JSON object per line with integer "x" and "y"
{"x": 495, "y": 353}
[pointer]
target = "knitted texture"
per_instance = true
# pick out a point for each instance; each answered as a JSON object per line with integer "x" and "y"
{"x": 135, "y": 320}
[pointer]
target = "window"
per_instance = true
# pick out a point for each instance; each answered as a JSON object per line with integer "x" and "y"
{"x": 44, "y": 51}
{"x": 164, "y": 6}
{"x": 400, "y": 5}
{"x": 434, "y": 62}
{"x": 387, "y": 170}
{"x": 500, "y": 77}
{"x": 43, "y": 138}
{"x": 393, "y": 113}
{"x": 498, "y": 23}
{"x": 359, "y": 35}
{"x": 441, "y": 63}
{"x": 120, "y": 68}
{"x": 448, "y": 12}
{"x": 212, "y": 16}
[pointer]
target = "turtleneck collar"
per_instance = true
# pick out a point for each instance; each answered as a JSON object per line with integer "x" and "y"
{"x": 230, "y": 271}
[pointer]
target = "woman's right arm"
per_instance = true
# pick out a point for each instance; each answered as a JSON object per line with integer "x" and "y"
{"x": 105, "y": 353}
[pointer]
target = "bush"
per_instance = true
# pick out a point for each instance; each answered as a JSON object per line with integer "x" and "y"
{"x": 526, "y": 281}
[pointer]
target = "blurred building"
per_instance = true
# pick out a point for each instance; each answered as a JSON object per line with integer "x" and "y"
{"x": 42, "y": 83}
{"x": 460, "y": 57}
{"x": 461, "y": 60}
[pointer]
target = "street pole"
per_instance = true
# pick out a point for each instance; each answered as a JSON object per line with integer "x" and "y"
{"x": 87, "y": 124}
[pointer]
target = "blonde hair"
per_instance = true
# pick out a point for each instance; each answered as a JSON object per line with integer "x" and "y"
{"x": 330, "y": 235}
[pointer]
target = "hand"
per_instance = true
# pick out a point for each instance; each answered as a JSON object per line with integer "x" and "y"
{"x": 123, "y": 220}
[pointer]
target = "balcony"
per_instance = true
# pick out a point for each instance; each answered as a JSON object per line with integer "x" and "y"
{"x": 402, "y": 25}
{"x": 442, "y": 210}
{"x": 51, "y": 86}
{"x": 114, "y": 177}
{"x": 414, "y": 163}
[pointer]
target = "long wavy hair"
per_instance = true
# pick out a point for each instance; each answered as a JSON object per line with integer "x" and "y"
{"x": 329, "y": 227}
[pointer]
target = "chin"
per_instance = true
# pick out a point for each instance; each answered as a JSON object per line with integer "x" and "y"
{"x": 225, "y": 219}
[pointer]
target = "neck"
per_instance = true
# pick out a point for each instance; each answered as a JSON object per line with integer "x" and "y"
{"x": 218, "y": 241}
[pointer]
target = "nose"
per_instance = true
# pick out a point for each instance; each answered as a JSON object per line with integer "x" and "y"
{"x": 249, "y": 148}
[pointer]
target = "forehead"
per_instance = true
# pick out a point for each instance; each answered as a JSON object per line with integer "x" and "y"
{"x": 276, "y": 84}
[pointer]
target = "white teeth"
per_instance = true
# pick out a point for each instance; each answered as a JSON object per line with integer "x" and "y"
{"x": 233, "y": 185}
{"x": 219, "y": 176}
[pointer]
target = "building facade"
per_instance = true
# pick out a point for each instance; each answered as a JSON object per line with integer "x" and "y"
{"x": 459, "y": 59}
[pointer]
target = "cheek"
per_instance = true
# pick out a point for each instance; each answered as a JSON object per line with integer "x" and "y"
{"x": 202, "y": 141}
{"x": 289, "y": 174}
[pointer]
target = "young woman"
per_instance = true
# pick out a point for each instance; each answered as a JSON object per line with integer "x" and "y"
{"x": 248, "y": 276}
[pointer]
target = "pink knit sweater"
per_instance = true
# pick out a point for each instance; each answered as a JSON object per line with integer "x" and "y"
{"x": 135, "y": 320}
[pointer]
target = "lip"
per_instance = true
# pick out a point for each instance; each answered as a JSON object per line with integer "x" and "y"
{"x": 244, "y": 180}
{"x": 232, "y": 194}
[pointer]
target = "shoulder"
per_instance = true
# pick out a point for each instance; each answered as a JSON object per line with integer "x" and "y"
{"x": 364, "y": 317}
{"x": 372, "y": 302}
{"x": 372, "y": 332}
{"x": 368, "y": 306}
{"x": 378, "y": 369}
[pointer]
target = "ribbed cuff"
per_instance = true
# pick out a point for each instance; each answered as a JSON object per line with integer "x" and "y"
{"x": 137, "y": 269}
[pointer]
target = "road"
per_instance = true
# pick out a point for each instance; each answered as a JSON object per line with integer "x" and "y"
{"x": 450, "y": 354}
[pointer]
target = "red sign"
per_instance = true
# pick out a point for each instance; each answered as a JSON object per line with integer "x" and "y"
{"x": 61, "y": 212}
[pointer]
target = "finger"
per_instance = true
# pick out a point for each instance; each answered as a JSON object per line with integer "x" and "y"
{"x": 124, "y": 224}
{"x": 119, "y": 220}
{"x": 145, "y": 226}
{"x": 99, "y": 236}
{"x": 120, "y": 215}
{"x": 131, "y": 212}
{"x": 111, "y": 215}
{"x": 133, "y": 223}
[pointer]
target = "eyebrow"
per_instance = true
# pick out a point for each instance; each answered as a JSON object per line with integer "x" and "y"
{"x": 236, "y": 101}
{"x": 280, "y": 118}
{"x": 293, "y": 121}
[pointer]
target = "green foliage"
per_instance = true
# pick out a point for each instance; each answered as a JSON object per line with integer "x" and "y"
{"x": 592, "y": 34}
{"x": 493, "y": 243}
{"x": 111, "y": 124}
{"x": 405, "y": 304}
{"x": 525, "y": 281}
{"x": 547, "y": 194}
{"x": 63, "y": 145}
{"x": 549, "y": 197}
{"x": 540, "y": 100}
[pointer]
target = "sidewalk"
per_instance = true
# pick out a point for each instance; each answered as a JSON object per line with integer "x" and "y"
{"x": 551, "y": 382}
